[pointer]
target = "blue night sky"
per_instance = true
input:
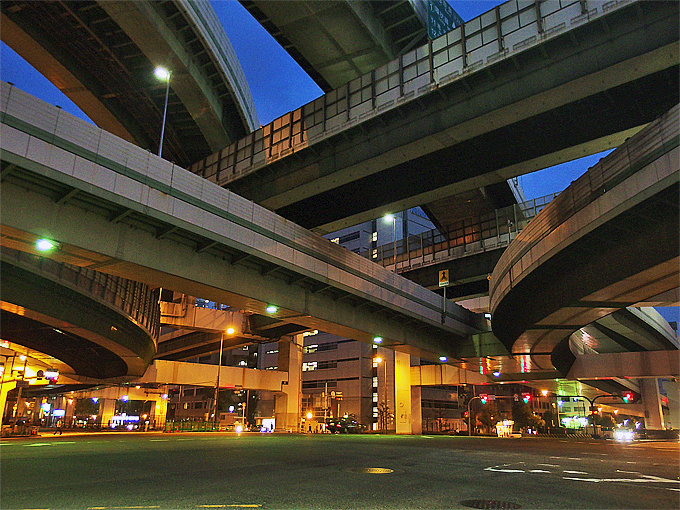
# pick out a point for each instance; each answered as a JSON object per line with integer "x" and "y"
{"x": 265, "y": 64}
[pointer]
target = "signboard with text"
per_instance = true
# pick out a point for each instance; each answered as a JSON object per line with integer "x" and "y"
{"x": 443, "y": 278}
{"x": 441, "y": 18}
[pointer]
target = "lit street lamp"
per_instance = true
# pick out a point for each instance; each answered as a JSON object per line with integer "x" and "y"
{"x": 378, "y": 360}
{"x": 391, "y": 218}
{"x": 163, "y": 74}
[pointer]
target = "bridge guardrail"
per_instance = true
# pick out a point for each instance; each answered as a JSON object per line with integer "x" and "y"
{"x": 469, "y": 235}
{"x": 136, "y": 299}
{"x": 508, "y": 29}
{"x": 637, "y": 152}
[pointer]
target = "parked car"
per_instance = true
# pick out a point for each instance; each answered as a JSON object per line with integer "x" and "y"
{"x": 344, "y": 426}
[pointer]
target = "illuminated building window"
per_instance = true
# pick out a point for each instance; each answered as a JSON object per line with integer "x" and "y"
{"x": 308, "y": 366}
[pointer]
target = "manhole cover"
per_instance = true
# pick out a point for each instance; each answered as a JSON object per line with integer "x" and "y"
{"x": 372, "y": 471}
{"x": 489, "y": 503}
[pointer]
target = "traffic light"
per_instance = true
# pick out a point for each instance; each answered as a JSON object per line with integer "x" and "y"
{"x": 526, "y": 397}
{"x": 483, "y": 398}
{"x": 629, "y": 397}
{"x": 51, "y": 375}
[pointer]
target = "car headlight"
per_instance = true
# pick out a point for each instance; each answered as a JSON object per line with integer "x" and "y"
{"x": 623, "y": 435}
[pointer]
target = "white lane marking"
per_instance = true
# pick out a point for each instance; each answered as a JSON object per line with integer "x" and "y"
{"x": 575, "y": 472}
{"x": 644, "y": 479}
{"x": 629, "y": 472}
{"x": 64, "y": 442}
{"x": 37, "y": 444}
{"x": 573, "y": 458}
{"x": 158, "y": 440}
{"x": 548, "y": 465}
{"x": 539, "y": 471}
{"x": 504, "y": 470}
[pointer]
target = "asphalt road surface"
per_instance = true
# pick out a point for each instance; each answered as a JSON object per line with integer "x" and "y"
{"x": 281, "y": 471}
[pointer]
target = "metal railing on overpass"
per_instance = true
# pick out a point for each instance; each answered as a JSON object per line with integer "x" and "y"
{"x": 467, "y": 236}
{"x": 657, "y": 139}
{"x": 135, "y": 299}
{"x": 500, "y": 33}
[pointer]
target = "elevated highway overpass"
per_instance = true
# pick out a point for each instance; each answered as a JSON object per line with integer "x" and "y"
{"x": 335, "y": 41}
{"x": 608, "y": 242}
{"x": 113, "y": 207}
{"x": 102, "y": 56}
{"x": 518, "y": 89}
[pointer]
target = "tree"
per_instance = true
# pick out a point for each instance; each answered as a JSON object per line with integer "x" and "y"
{"x": 86, "y": 407}
{"x": 488, "y": 416}
{"x": 524, "y": 418}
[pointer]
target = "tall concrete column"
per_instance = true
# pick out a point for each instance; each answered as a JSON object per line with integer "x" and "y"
{"x": 651, "y": 403}
{"x": 416, "y": 410}
{"x": 402, "y": 393}
{"x": 288, "y": 403}
{"x": 6, "y": 388}
{"x": 158, "y": 413}
{"x": 107, "y": 408}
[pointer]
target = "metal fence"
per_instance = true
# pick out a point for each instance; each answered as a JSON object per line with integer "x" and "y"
{"x": 509, "y": 28}
{"x": 469, "y": 235}
{"x": 133, "y": 298}
{"x": 658, "y": 138}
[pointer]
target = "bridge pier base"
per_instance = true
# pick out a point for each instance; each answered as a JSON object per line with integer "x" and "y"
{"x": 403, "y": 415}
{"x": 288, "y": 403}
{"x": 651, "y": 403}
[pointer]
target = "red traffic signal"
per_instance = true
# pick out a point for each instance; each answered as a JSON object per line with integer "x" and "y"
{"x": 484, "y": 398}
{"x": 526, "y": 397}
{"x": 629, "y": 397}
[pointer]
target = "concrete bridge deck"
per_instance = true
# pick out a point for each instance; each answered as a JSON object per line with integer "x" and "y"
{"x": 520, "y": 88}
{"x": 609, "y": 241}
{"x": 116, "y": 208}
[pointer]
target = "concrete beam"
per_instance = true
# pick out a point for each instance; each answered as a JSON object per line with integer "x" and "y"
{"x": 199, "y": 374}
{"x": 626, "y": 365}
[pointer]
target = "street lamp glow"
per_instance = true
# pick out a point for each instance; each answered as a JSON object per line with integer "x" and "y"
{"x": 44, "y": 245}
{"x": 389, "y": 218}
{"x": 230, "y": 331}
{"x": 272, "y": 309}
{"x": 377, "y": 339}
{"x": 161, "y": 73}
{"x": 378, "y": 360}
{"x": 310, "y": 416}
{"x": 443, "y": 359}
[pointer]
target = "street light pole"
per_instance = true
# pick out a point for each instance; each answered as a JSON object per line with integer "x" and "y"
{"x": 217, "y": 382}
{"x": 392, "y": 218}
{"x": 470, "y": 415}
{"x": 385, "y": 412}
{"x": 163, "y": 74}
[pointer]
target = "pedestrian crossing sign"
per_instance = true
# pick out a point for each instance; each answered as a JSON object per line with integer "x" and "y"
{"x": 444, "y": 278}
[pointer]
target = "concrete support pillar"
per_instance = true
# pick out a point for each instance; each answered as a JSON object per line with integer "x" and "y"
{"x": 6, "y": 388}
{"x": 288, "y": 403}
{"x": 107, "y": 408}
{"x": 402, "y": 393}
{"x": 158, "y": 413}
{"x": 416, "y": 410}
{"x": 651, "y": 403}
